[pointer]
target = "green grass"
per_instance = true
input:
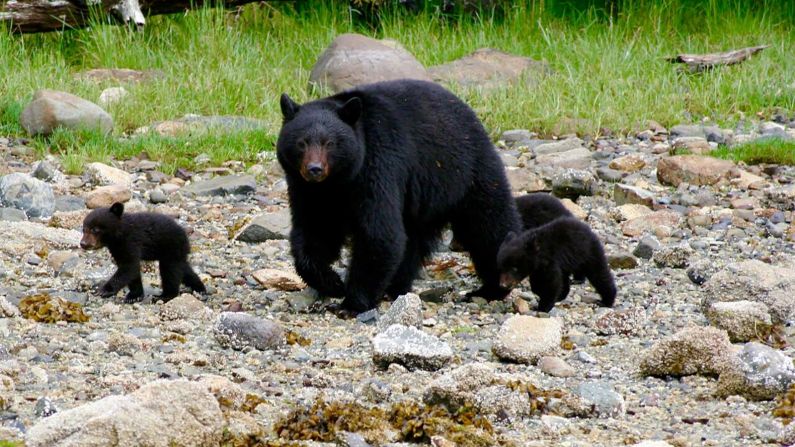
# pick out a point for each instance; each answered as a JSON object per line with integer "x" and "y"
{"x": 609, "y": 69}
{"x": 774, "y": 151}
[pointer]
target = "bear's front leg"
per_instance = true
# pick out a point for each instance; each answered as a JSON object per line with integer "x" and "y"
{"x": 378, "y": 248}
{"x": 125, "y": 274}
{"x": 313, "y": 252}
{"x": 547, "y": 283}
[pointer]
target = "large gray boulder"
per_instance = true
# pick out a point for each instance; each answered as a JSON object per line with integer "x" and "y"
{"x": 353, "y": 59}
{"x": 51, "y": 109}
{"x": 33, "y": 196}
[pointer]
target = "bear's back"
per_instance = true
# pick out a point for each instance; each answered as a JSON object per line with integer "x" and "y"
{"x": 159, "y": 236}
{"x": 428, "y": 134}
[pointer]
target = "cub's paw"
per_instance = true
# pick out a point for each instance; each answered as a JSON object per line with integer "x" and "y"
{"x": 105, "y": 292}
{"x": 131, "y": 298}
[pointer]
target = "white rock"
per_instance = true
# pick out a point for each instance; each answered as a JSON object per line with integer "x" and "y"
{"x": 524, "y": 339}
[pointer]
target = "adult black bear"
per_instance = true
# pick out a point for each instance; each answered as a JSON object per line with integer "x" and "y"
{"x": 552, "y": 252}
{"x": 389, "y": 164}
{"x": 539, "y": 208}
{"x": 133, "y": 237}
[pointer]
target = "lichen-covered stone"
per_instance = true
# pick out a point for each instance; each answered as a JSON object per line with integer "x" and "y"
{"x": 753, "y": 280}
{"x": 743, "y": 320}
{"x": 695, "y": 350}
{"x": 164, "y": 413}
{"x": 762, "y": 374}
{"x": 524, "y": 339}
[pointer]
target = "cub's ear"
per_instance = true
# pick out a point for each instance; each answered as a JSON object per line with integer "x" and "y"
{"x": 351, "y": 111}
{"x": 289, "y": 107}
{"x": 510, "y": 236}
{"x": 117, "y": 209}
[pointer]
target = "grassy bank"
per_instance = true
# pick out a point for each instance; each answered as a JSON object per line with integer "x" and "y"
{"x": 609, "y": 69}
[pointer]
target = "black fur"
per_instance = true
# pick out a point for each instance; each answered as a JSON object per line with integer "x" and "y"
{"x": 539, "y": 208}
{"x": 549, "y": 254}
{"x": 389, "y": 164}
{"x": 133, "y": 237}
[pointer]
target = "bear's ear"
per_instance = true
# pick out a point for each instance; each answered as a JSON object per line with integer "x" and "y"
{"x": 117, "y": 209}
{"x": 351, "y": 111}
{"x": 289, "y": 107}
{"x": 510, "y": 236}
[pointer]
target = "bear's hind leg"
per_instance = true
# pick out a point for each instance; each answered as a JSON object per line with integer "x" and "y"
{"x": 601, "y": 278}
{"x": 481, "y": 223}
{"x": 191, "y": 279}
{"x": 564, "y": 287}
{"x": 171, "y": 276}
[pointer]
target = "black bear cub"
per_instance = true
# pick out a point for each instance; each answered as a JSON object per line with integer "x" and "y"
{"x": 135, "y": 237}
{"x": 388, "y": 165}
{"x": 549, "y": 254}
{"x": 539, "y": 208}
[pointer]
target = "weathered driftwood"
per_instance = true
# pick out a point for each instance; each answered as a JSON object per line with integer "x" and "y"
{"x": 34, "y": 16}
{"x": 701, "y": 62}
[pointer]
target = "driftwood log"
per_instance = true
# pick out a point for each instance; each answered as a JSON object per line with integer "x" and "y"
{"x": 34, "y": 16}
{"x": 701, "y": 62}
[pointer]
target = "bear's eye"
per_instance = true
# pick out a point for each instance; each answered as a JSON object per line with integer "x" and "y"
{"x": 96, "y": 230}
{"x": 301, "y": 144}
{"x": 329, "y": 144}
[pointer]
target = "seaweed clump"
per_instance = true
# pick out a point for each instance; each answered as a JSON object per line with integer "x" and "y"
{"x": 772, "y": 335}
{"x": 44, "y": 308}
{"x": 785, "y": 406}
{"x": 411, "y": 421}
{"x": 294, "y": 338}
{"x": 419, "y": 423}
{"x": 539, "y": 398}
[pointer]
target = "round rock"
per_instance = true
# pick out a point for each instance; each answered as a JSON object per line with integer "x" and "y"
{"x": 524, "y": 339}
{"x": 694, "y": 350}
{"x": 763, "y": 374}
{"x": 743, "y": 320}
{"x": 238, "y": 330}
{"x": 354, "y": 59}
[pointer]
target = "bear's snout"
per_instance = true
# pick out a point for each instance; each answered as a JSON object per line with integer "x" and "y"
{"x": 89, "y": 242}
{"x": 507, "y": 281}
{"x": 314, "y": 166}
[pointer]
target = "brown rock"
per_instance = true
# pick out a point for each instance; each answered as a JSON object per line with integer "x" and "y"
{"x": 488, "y": 68}
{"x": 353, "y": 59}
{"x": 107, "y": 195}
{"x": 626, "y": 194}
{"x": 694, "y": 145}
{"x": 644, "y": 224}
{"x": 277, "y": 279}
{"x": 628, "y": 163}
{"x": 692, "y": 169}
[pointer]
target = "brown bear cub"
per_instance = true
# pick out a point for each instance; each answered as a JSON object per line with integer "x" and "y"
{"x": 135, "y": 237}
{"x": 549, "y": 254}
